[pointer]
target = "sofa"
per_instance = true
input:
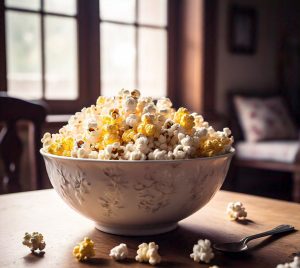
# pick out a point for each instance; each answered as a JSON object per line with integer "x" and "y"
{"x": 266, "y": 134}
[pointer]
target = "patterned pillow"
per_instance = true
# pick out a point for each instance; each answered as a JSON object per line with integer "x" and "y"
{"x": 264, "y": 119}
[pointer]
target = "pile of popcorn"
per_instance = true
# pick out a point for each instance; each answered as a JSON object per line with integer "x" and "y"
{"x": 131, "y": 127}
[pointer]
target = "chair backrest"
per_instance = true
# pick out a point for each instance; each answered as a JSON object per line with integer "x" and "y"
{"x": 11, "y": 111}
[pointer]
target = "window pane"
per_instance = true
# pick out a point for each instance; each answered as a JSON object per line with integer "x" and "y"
{"x": 117, "y": 10}
{"x": 152, "y": 62}
{"x": 61, "y": 58}
{"x": 26, "y": 4}
{"x": 153, "y": 12}
{"x": 117, "y": 58}
{"x": 61, "y": 6}
{"x": 23, "y": 44}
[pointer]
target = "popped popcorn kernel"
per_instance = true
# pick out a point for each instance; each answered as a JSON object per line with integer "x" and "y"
{"x": 110, "y": 138}
{"x": 114, "y": 113}
{"x": 150, "y": 129}
{"x": 101, "y": 100}
{"x": 34, "y": 241}
{"x": 202, "y": 251}
{"x": 131, "y": 120}
{"x": 179, "y": 114}
{"x": 164, "y": 103}
{"x": 128, "y": 135}
{"x": 62, "y": 146}
{"x": 148, "y": 253}
{"x": 213, "y": 146}
{"x": 147, "y": 129}
{"x": 126, "y": 117}
{"x": 135, "y": 93}
{"x": 119, "y": 252}
{"x": 236, "y": 211}
{"x": 294, "y": 264}
{"x": 187, "y": 121}
{"x": 84, "y": 249}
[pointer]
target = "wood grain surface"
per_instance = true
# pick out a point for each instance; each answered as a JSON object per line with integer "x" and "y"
{"x": 45, "y": 212}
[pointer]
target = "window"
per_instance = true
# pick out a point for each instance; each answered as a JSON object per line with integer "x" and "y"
{"x": 41, "y": 49}
{"x": 133, "y": 42}
{"x": 68, "y": 52}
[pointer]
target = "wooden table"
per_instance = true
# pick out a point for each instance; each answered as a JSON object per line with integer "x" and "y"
{"x": 45, "y": 212}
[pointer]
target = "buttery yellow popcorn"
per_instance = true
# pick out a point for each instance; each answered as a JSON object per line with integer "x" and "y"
{"x": 150, "y": 130}
{"x": 187, "y": 121}
{"x": 84, "y": 250}
{"x": 180, "y": 112}
{"x": 101, "y": 100}
{"x": 125, "y": 118}
{"x": 129, "y": 135}
{"x": 213, "y": 146}
{"x": 34, "y": 241}
{"x": 60, "y": 146}
{"x": 110, "y": 138}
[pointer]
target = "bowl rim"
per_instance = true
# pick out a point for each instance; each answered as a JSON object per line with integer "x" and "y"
{"x": 43, "y": 153}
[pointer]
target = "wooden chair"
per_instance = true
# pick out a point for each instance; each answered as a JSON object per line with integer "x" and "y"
{"x": 11, "y": 111}
{"x": 293, "y": 168}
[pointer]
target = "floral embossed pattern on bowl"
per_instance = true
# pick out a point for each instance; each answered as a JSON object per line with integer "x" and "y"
{"x": 136, "y": 197}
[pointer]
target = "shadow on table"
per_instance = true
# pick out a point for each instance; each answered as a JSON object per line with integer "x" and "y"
{"x": 245, "y": 221}
{"x": 96, "y": 261}
{"x": 177, "y": 245}
{"x": 34, "y": 256}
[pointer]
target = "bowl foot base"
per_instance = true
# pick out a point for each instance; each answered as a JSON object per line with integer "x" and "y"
{"x": 138, "y": 230}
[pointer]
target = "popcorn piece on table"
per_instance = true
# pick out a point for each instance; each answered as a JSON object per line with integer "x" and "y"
{"x": 34, "y": 241}
{"x": 202, "y": 251}
{"x": 236, "y": 211}
{"x": 119, "y": 252}
{"x": 84, "y": 250}
{"x": 294, "y": 264}
{"x": 148, "y": 253}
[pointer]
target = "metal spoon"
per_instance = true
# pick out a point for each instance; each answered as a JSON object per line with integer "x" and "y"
{"x": 242, "y": 244}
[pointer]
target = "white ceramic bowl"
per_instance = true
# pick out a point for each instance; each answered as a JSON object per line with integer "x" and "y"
{"x": 136, "y": 197}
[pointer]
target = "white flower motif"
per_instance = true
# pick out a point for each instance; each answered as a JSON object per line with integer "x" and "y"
{"x": 113, "y": 198}
{"x": 153, "y": 192}
{"x": 73, "y": 185}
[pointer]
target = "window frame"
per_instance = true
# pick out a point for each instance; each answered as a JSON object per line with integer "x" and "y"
{"x": 58, "y": 106}
{"x": 136, "y": 26}
{"x": 88, "y": 52}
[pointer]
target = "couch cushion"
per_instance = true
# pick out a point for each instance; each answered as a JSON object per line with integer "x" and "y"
{"x": 280, "y": 151}
{"x": 264, "y": 119}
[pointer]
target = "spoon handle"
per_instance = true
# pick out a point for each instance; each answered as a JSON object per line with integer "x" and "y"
{"x": 279, "y": 229}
